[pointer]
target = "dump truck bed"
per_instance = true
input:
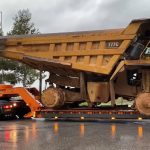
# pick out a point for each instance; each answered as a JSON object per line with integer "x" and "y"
{"x": 91, "y": 51}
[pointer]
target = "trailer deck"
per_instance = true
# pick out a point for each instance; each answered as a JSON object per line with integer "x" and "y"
{"x": 87, "y": 114}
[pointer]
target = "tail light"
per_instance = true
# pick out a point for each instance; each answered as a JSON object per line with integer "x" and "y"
{"x": 7, "y": 106}
{"x": 14, "y": 104}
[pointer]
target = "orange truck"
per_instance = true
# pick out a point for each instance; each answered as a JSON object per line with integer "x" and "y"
{"x": 30, "y": 97}
{"x": 92, "y": 66}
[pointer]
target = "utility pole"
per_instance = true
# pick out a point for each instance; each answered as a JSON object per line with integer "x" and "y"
{"x": 1, "y": 32}
{"x": 1, "y": 24}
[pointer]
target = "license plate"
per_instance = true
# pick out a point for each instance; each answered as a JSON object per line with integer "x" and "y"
{"x": 6, "y": 110}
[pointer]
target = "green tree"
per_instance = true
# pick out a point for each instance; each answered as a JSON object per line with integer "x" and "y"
{"x": 22, "y": 24}
{"x": 7, "y": 68}
{"x": 1, "y": 32}
{"x": 4, "y": 67}
{"x": 15, "y": 71}
{"x": 7, "y": 73}
{"x": 25, "y": 74}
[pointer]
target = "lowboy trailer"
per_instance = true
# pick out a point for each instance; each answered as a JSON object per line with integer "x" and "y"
{"x": 86, "y": 114}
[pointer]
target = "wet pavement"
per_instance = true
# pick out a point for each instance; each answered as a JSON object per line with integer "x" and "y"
{"x": 40, "y": 135}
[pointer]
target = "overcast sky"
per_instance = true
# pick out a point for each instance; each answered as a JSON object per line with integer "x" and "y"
{"x": 74, "y": 15}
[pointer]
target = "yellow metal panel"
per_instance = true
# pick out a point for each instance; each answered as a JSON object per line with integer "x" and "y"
{"x": 101, "y": 70}
{"x": 48, "y": 40}
{"x": 99, "y": 60}
{"x": 90, "y": 52}
{"x": 112, "y": 62}
{"x": 86, "y": 59}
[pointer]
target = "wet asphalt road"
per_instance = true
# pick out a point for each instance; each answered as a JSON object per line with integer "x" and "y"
{"x": 38, "y": 135}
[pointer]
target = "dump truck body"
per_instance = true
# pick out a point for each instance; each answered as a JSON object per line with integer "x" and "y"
{"x": 96, "y": 66}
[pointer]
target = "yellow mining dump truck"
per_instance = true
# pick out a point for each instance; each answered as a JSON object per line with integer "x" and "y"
{"x": 93, "y": 66}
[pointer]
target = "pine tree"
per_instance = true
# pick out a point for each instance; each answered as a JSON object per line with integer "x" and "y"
{"x": 22, "y": 24}
{"x": 19, "y": 72}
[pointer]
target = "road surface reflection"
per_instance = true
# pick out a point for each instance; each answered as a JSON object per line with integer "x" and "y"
{"x": 56, "y": 127}
{"x": 140, "y": 132}
{"x": 82, "y": 129}
{"x": 113, "y": 130}
{"x": 14, "y": 135}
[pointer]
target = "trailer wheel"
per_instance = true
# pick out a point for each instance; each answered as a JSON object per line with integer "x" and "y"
{"x": 53, "y": 98}
{"x": 143, "y": 103}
